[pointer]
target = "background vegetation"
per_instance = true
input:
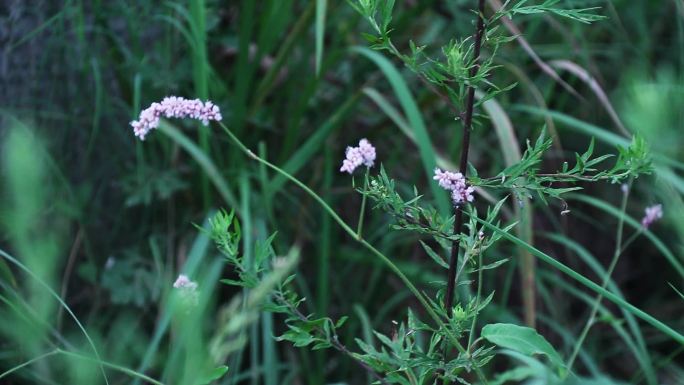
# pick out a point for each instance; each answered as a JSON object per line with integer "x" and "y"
{"x": 107, "y": 223}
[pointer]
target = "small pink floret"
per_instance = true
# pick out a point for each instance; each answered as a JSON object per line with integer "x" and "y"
{"x": 653, "y": 213}
{"x": 456, "y": 183}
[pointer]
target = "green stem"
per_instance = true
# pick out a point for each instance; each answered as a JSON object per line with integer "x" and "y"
{"x": 556, "y": 177}
{"x": 294, "y": 180}
{"x": 463, "y": 163}
{"x": 606, "y": 279}
{"x": 477, "y": 301}
{"x": 631, "y": 239}
{"x": 393, "y": 267}
{"x": 359, "y": 227}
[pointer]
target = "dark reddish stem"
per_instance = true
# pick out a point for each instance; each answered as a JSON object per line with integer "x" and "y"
{"x": 465, "y": 145}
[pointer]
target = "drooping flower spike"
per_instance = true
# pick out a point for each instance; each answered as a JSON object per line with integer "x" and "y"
{"x": 456, "y": 183}
{"x": 364, "y": 154}
{"x": 174, "y": 107}
{"x": 653, "y": 213}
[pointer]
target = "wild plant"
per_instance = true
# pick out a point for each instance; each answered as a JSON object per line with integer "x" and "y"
{"x": 450, "y": 344}
{"x": 447, "y": 336}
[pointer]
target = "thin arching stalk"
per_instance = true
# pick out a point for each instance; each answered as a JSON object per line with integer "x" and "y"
{"x": 477, "y": 302}
{"x": 453, "y": 339}
{"x": 362, "y": 212}
{"x": 597, "y": 302}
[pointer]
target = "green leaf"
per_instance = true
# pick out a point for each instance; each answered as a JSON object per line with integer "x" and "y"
{"x": 435, "y": 257}
{"x": 232, "y": 282}
{"x": 386, "y": 15}
{"x": 370, "y": 38}
{"x": 297, "y": 336}
{"x": 212, "y": 375}
{"x": 341, "y": 321}
{"x": 517, "y": 374}
{"x": 322, "y": 345}
{"x": 493, "y": 265}
{"x": 521, "y": 339}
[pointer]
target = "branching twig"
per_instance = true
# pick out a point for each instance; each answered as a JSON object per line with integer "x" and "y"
{"x": 334, "y": 341}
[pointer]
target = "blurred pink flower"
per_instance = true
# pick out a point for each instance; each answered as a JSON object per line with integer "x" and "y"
{"x": 174, "y": 107}
{"x": 187, "y": 290}
{"x": 183, "y": 282}
{"x": 653, "y": 213}
{"x": 364, "y": 154}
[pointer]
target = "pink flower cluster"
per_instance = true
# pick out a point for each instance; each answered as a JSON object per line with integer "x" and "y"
{"x": 364, "y": 154}
{"x": 174, "y": 107}
{"x": 456, "y": 183}
{"x": 653, "y": 213}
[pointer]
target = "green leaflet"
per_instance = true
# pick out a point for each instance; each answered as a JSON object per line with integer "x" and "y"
{"x": 523, "y": 340}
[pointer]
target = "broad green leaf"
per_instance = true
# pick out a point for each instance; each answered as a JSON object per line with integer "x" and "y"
{"x": 521, "y": 339}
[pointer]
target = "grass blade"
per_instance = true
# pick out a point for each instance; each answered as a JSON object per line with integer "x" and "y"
{"x": 61, "y": 302}
{"x": 202, "y": 159}
{"x": 509, "y": 147}
{"x": 415, "y": 119}
{"x": 321, "y": 6}
{"x": 314, "y": 143}
{"x": 588, "y": 283}
{"x": 610, "y": 209}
